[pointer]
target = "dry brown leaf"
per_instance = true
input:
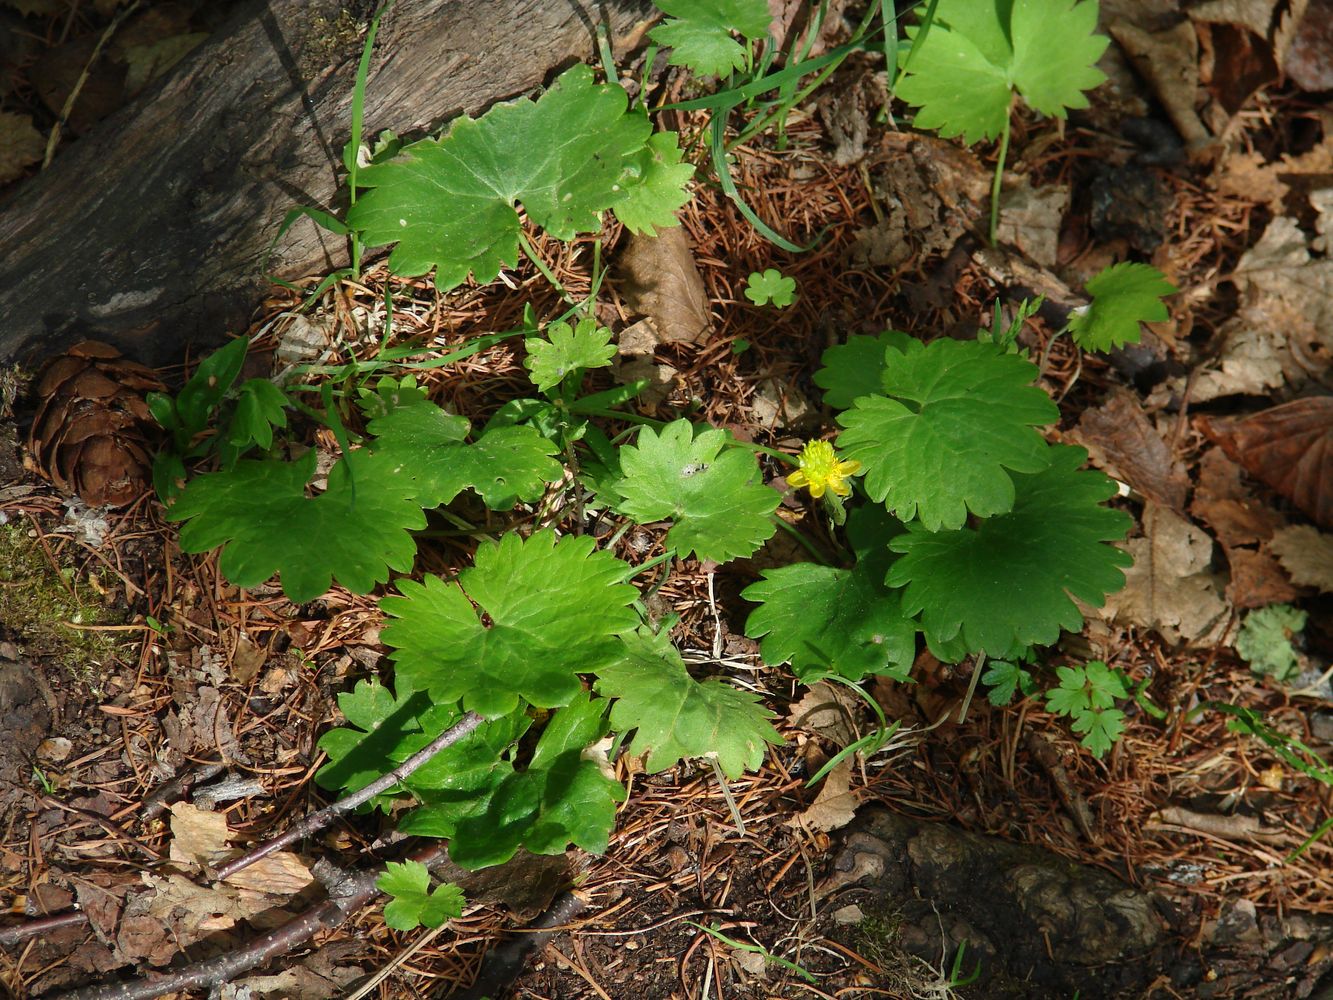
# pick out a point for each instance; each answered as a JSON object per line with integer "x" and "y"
{"x": 1169, "y": 62}
{"x": 1171, "y": 587}
{"x": 198, "y": 837}
{"x": 1233, "y": 827}
{"x": 246, "y": 660}
{"x": 281, "y": 873}
{"x": 1307, "y": 554}
{"x": 1257, "y": 580}
{"x": 21, "y": 145}
{"x": 1228, "y": 506}
{"x": 1304, "y": 45}
{"x": 662, "y": 282}
{"x": 1122, "y": 441}
{"x": 829, "y": 711}
{"x": 1030, "y": 219}
{"x": 1256, "y": 15}
{"x": 835, "y": 805}
{"x": 1289, "y": 447}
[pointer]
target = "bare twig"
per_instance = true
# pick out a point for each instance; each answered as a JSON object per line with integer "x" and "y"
{"x": 42, "y": 925}
{"x": 318, "y": 820}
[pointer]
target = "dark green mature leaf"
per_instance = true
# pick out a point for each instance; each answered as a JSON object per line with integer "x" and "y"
{"x": 823, "y": 620}
{"x": 714, "y": 493}
{"x": 357, "y": 530}
{"x": 1123, "y": 296}
{"x": 414, "y": 903}
{"x": 678, "y": 717}
{"x": 561, "y": 798}
{"x": 421, "y": 444}
{"x": 451, "y": 203}
{"x": 698, "y": 32}
{"x": 1007, "y": 582}
{"x": 260, "y": 407}
{"x": 856, "y": 368}
{"x": 384, "y": 730}
{"x": 956, "y": 418}
{"x": 546, "y": 611}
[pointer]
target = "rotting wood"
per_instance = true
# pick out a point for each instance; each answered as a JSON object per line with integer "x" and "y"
{"x": 151, "y": 232}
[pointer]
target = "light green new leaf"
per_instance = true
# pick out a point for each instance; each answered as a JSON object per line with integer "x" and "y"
{"x": 1264, "y": 640}
{"x": 856, "y": 368}
{"x": 1087, "y": 695}
{"x": 712, "y": 491}
{"x": 965, "y": 69}
{"x": 678, "y": 717}
{"x": 1004, "y": 679}
{"x": 356, "y": 530}
{"x": 770, "y": 286}
{"x": 451, "y": 203}
{"x": 955, "y": 420}
{"x": 1008, "y": 581}
{"x": 1123, "y": 296}
{"x": 414, "y": 903}
{"x": 421, "y": 445}
{"x": 567, "y": 349}
{"x": 545, "y": 611}
{"x": 660, "y": 189}
{"x": 560, "y": 798}
{"x": 698, "y": 32}
{"x": 824, "y": 620}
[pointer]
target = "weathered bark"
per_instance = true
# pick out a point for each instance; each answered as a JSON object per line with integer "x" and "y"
{"x": 151, "y": 231}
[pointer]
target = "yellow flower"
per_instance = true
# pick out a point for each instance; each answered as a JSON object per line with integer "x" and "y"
{"x": 822, "y": 470}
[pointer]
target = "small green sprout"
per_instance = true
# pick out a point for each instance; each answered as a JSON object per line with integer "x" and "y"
{"x": 770, "y": 287}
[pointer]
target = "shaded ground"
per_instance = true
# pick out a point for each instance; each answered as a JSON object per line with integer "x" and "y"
{"x": 103, "y": 710}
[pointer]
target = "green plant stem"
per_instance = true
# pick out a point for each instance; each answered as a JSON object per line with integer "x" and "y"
{"x": 652, "y": 563}
{"x": 531, "y": 253}
{"x": 806, "y": 544}
{"x": 998, "y": 180}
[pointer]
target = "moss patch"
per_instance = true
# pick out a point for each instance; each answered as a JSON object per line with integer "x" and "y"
{"x": 39, "y": 604}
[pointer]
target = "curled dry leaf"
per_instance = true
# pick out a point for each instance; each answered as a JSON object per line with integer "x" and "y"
{"x": 1307, "y": 554}
{"x": 662, "y": 282}
{"x": 1289, "y": 447}
{"x": 834, "y": 806}
{"x": 1122, "y": 442}
{"x": 90, "y": 435}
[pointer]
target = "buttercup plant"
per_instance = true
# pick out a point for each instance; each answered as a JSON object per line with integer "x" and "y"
{"x": 963, "y": 526}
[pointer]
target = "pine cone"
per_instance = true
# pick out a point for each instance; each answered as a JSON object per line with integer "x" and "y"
{"x": 90, "y": 435}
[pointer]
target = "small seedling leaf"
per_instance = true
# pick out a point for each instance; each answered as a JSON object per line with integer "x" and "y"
{"x": 699, "y": 32}
{"x": 567, "y": 349}
{"x": 1123, "y": 296}
{"x": 414, "y": 903}
{"x": 770, "y": 286}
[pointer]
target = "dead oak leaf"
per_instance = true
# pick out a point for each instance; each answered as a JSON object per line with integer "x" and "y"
{"x": 1171, "y": 587}
{"x": 1288, "y": 447}
{"x": 1307, "y": 554}
{"x": 662, "y": 282}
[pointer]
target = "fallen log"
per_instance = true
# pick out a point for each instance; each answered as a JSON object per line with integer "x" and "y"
{"x": 152, "y": 231}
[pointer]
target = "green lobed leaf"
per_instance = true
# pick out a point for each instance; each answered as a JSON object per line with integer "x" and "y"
{"x": 567, "y": 349}
{"x": 450, "y": 203}
{"x": 209, "y": 384}
{"x": 699, "y": 32}
{"x": 712, "y": 490}
{"x": 1005, "y": 678}
{"x": 1265, "y": 640}
{"x": 1008, "y": 582}
{"x": 1087, "y": 695}
{"x": 421, "y": 445}
{"x": 856, "y": 368}
{"x": 956, "y": 419}
{"x": 414, "y": 903}
{"x": 824, "y": 620}
{"x": 678, "y": 717}
{"x": 260, "y": 407}
{"x": 562, "y": 797}
{"x": 771, "y": 285}
{"x": 545, "y": 611}
{"x": 356, "y": 531}
{"x": 660, "y": 190}
{"x": 384, "y": 730}
{"x": 1123, "y": 296}
{"x": 975, "y": 54}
